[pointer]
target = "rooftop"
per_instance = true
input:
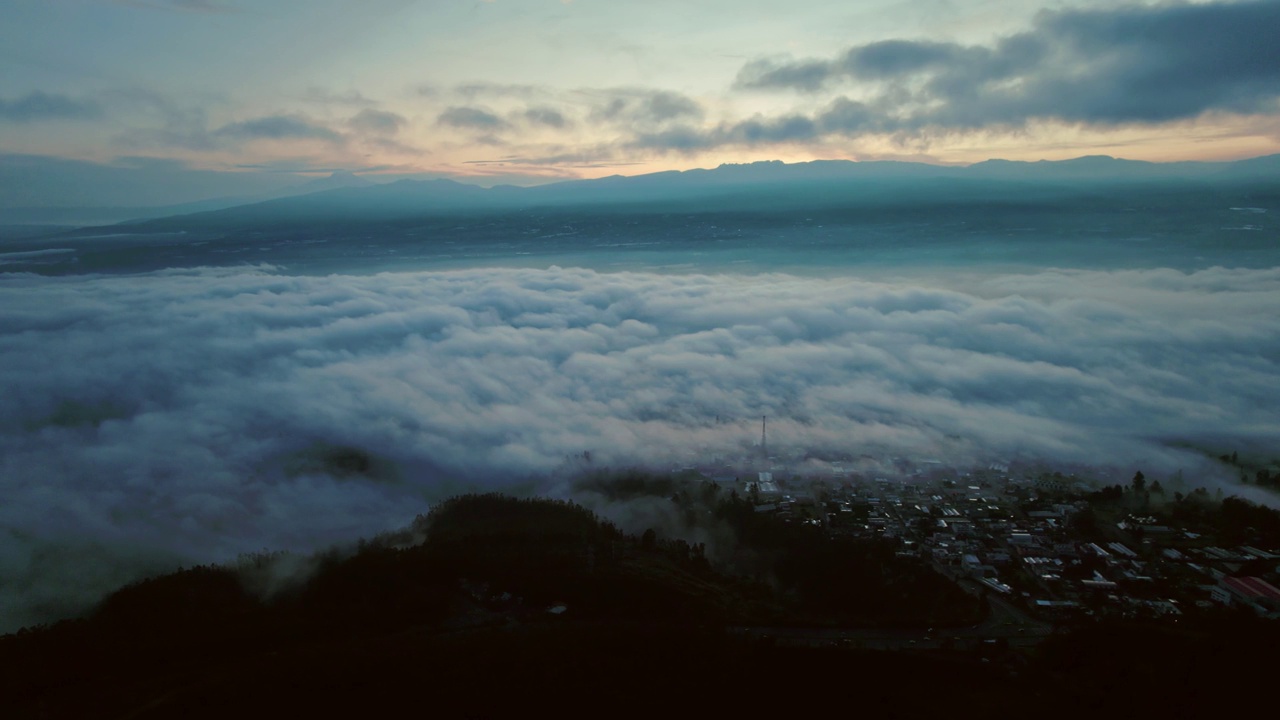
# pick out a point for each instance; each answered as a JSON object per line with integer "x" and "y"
{"x": 1252, "y": 587}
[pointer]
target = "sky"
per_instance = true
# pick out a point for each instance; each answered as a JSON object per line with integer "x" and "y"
{"x": 184, "y": 415}
{"x": 185, "y": 99}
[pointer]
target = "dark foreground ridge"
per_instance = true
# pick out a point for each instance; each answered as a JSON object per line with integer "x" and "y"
{"x": 491, "y": 605}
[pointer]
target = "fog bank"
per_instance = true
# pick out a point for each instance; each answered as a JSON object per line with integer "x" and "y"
{"x": 186, "y": 416}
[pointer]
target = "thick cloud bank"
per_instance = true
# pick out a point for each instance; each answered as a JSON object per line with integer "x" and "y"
{"x": 1104, "y": 67}
{"x": 187, "y": 416}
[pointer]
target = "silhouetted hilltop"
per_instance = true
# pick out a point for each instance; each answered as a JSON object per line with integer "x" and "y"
{"x": 473, "y": 564}
{"x": 491, "y": 605}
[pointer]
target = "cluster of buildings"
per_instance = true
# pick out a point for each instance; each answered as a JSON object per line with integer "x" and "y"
{"x": 1020, "y": 540}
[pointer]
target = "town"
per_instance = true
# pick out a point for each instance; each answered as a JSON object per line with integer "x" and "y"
{"x": 1045, "y": 549}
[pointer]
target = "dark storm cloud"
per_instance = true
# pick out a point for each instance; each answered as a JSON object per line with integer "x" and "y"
{"x": 1173, "y": 62}
{"x": 39, "y": 106}
{"x": 1134, "y": 64}
{"x": 277, "y": 127}
{"x": 471, "y": 118}
{"x": 199, "y": 414}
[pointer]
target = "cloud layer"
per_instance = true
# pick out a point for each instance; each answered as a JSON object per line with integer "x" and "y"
{"x": 188, "y": 416}
{"x": 1134, "y": 64}
{"x": 42, "y": 107}
{"x": 1100, "y": 72}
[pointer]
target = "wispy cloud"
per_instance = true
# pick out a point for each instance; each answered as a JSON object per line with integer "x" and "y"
{"x": 40, "y": 106}
{"x": 195, "y": 6}
{"x": 322, "y": 96}
{"x": 546, "y": 116}
{"x": 502, "y": 90}
{"x": 641, "y": 107}
{"x": 472, "y": 118}
{"x": 377, "y": 122}
{"x": 277, "y": 127}
{"x": 190, "y": 131}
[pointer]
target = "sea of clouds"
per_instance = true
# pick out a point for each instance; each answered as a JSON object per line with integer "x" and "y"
{"x": 187, "y": 416}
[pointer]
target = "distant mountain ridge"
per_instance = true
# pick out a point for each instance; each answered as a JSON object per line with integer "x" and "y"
{"x": 115, "y": 214}
{"x": 349, "y": 198}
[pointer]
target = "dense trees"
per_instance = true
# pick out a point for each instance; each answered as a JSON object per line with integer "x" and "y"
{"x": 1232, "y": 519}
{"x": 819, "y": 578}
{"x": 1241, "y": 521}
{"x": 453, "y": 610}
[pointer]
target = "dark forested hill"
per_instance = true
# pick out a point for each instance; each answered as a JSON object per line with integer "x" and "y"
{"x": 492, "y": 605}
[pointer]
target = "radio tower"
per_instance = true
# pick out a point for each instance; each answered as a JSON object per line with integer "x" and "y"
{"x": 764, "y": 447}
